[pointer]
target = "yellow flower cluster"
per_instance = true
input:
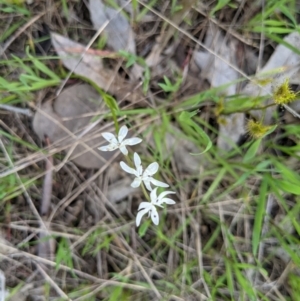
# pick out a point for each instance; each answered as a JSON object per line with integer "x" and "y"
{"x": 257, "y": 129}
{"x": 283, "y": 94}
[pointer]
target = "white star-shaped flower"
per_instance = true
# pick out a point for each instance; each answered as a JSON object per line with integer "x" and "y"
{"x": 145, "y": 176}
{"x": 119, "y": 142}
{"x": 149, "y": 207}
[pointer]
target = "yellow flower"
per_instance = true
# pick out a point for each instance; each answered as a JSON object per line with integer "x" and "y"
{"x": 257, "y": 129}
{"x": 283, "y": 94}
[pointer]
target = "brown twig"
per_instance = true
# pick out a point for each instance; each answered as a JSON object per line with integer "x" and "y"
{"x": 19, "y": 32}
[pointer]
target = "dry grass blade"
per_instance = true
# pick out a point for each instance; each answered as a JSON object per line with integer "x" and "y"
{"x": 46, "y": 247}
{"x": 18, "y": 32}
{"x": 53, "y": 284}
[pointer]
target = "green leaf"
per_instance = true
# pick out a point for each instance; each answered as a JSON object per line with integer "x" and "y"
{"x": 214, "y": 185}
{"x": 283, "y": 42}
{"x": 271, "y": 130}
{"x": 167, "y": 87}
{"x": 185, "y": 117}
{"x": 294, "y": 282}
{"x": 116, "y": 294}
{"x": 259, "y": 216}
{"x": 10, "y": 30}
{"x": 244, "y": 283}
{"x": 288, "y": 187}
{"x": 110, "y": 101}
{"x": 42, "y": 67}
{"x": 285, "y": 172}
{"x": 146, "y": 79}
{"x": 219, "y": 6}
{"x": 286, "y": 11}
{"x": 229, "y": 276}
{"x": 144, "y": 227}
{"x": 64, "y": 254}
{"x": 251, "y": 152}
{"x": 23, "y": 66}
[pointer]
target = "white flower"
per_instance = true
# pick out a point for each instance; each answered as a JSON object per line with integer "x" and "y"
{"x": 147, "y": 207}
{"x": 143, "y": 176}
{"x": 119, "y": 142}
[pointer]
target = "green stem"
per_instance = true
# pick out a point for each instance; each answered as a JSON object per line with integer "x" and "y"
{"x": 114, "y": 116}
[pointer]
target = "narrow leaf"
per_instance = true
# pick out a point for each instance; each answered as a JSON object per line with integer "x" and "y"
{"x": 289, "y": 187}
{"x": 259, "y": 216}
{"x": 185, "y": 117}
{"x": 251, "y": 152}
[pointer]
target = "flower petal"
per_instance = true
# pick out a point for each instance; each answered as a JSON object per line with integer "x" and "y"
{"x": 144, "y": 205}
{"x": 128, "y": 169}
{"x": 151, "y": 169}
{"x": 136, "y": 183}
{"x": 122, "y": 133}
{"x": 163, "y": 194}
{"x": 139, "y": 216}
{"x": 165, "y": 200}
{"x": 147, "y": 184}
{"x": 154, "y": 216}
{"x": 137, "y": 162}
{"x": 105, "y": 148}
{"x": 153, "y": 196}
{"x": 140, "y": 170}
{"x": 132, "y": 141}
{"x": 158, "y": 183}
{"x": 124, "y": 150}
{"x": 110, "y": 137}
{"x": 161, "y": 198}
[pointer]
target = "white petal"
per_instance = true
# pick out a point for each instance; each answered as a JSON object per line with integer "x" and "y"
{"x": 163, "y": 194}
{"x": 128, "y": 169}
{"x": 153, "y": 196}
{"x": 137, "y": 161}
{"x": 132, "y": 141}
{"x": 154, "y": 216}
{"x": 108, "y": 148}
{"x": 158, "y": 183}
{"x": 139, "y": 216}
{"x": 166, "y": 200}
{"x": 144, "y": 205}
{"x": 147, "y": 184}
{"x": 161, "y": 198}
{"x": 110, "y": 137}
{"x": 151, "y": 169}
{"x": 122, "y": 133}
{"x": 104, "y": 148}
{"x": 136, "y": 183}
{"x": 140, "y": 170}
{"x": 124, "y": 150}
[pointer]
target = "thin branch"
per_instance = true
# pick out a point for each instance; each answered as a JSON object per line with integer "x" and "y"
{"x": 17, "y": 110}
{"x": 50, "y": 280}
{"x": 19, "y": 32}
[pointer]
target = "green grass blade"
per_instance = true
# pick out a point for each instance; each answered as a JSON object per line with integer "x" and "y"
{"x": 185, "y": 117}
{"x": 259, "y": 216}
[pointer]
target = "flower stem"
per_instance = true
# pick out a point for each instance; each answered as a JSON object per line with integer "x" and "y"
{"x": 145, "y": 192}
